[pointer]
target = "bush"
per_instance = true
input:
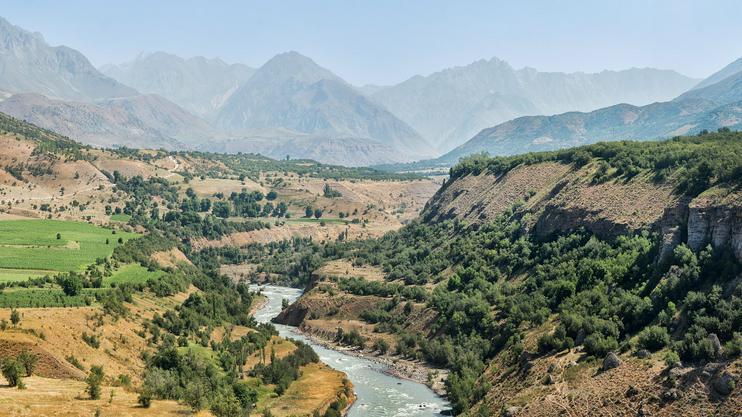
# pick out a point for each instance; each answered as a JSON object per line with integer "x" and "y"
{"x": 653, "y": 338}
{"x": 28, "y": 361}
{"x": 671, "y": 358}
{"x": 15, "y": 317}
{"x": 145, "y": 399}
{"x": 13, "y": 372}
{"x": 94, "y": 381}
{"x": 598, "y": 345}
{"x": 382, "y": 346}
{"x": 92, "y": 340}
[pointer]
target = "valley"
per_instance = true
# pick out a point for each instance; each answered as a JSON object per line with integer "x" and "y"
{"x": 197, "y": 219}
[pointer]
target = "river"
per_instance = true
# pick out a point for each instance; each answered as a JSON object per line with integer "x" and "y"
{"x": 378, "y": 394}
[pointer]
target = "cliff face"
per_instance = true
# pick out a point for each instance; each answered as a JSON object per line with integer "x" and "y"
{"x": 558, "y": 198}
{"x": 716, "y": 221}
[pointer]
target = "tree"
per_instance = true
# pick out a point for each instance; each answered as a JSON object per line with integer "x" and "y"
{"x": 59, "y": 236}
{"x": 653, "y": 338}
{"x": 317, "y": 213}
{"x": 28, "y": 361}
{"x": 13, "y": 371}
{"x": 382, "y": 346}
{"x": 71, "y": 284}
{"x": 271, "y": 195}
{"x": 94, "y": 381}
{"x": 308, "y": 212}
{"x": 15, "y": 317}
{"x": 221, "y": 209}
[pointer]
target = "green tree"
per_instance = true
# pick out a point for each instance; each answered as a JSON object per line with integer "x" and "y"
{"x": 317, "y": 213}
{"x": 15, "y": 317}
{"x": 28, "y": 361}
{"x": 71, "y": 283}
{"x": 13, "y": 372}
{"x": 308, "y": 212}
{"x": 94, "y": 381}
{"x": 221, "y": 209}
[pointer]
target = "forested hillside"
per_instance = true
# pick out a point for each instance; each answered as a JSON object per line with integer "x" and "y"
{"x": 518, "y": 265}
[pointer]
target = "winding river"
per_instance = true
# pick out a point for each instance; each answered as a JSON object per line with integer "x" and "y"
{"x": 379, "y": 394}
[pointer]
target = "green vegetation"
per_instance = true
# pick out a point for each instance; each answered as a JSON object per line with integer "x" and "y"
{"x": 693, "y": 164}
{"x": 132, "y": 274}
{"x": 252, "y": 165}
{"x": 47, "y": 142}
{"x": 494, "y": 282}
{"x": 32, "y": 245}
{"x": 123, "y": 218}
{"x": 15, "y": 275}
{"x": 94, "y": 381}
{"x": 46, "y": 297}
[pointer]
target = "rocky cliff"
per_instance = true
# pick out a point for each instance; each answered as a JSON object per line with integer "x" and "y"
{"x": 558, "y": 198}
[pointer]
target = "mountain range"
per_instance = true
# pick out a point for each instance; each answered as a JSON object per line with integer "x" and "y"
{"x": 291, "y": 106}
{"x": 450, "y": 106}
{"x": 197, "y": 84}
{"x": 714, "y": 105}
{"x": 29, "y": 64}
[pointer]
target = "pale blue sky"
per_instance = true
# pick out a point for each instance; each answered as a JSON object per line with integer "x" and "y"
{"x": 382, "y": 41}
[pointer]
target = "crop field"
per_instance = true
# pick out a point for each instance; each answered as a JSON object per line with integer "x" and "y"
{"x": 131, "y": 274}
{"x": 15, "y": 275}
{"x": 123, "y": 218}
{"x": 31, "y": 247}
{"x": 45, "y": 297}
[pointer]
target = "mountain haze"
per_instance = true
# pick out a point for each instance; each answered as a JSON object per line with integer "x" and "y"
{"x": 29, "y": 65}
{"x": 197, "y": 84}
{"x": 291, "y": 93}
{"x": 142, "y": 121}
{"x": 450, "y": 106}
{"x": 715, "y": 106}
{"x": 731, "y": 69}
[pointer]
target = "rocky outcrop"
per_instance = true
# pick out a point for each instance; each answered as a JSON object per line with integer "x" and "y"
{"x": 716, "y": 221}
{"x": 559, "y": 199}
{"x": 611, "y": 361}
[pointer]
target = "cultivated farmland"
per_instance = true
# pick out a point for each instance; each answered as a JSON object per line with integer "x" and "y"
{"x": 30, "y": 248}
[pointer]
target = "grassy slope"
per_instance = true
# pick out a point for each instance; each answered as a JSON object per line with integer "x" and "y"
{"x": 32, "y": 244}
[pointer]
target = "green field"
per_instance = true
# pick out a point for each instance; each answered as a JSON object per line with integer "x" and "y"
{"x": 131, "y": 273}
{"x": 45, "y": 297}
{"x": 31, "y": 246}
{"x": 120, "y": 218}
{"x": 15, "y": 275}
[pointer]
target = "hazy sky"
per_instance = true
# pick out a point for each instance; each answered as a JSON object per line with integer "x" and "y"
{"x": 380, "y": 41}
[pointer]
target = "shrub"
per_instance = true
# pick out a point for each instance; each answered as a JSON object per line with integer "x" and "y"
{"x": 653, "y": 338}
{"x": 15, "y": 317}
{"x": 94, "y": 381}
{"x": 13, "y": 372}
{"x": 28, "y": 361}
{"x": 92, "y": 340}
{"x": 671, "y": 358}
{"x": 599, "y": 345}
{"x": 382, "y": 346}
{"x": 145, "y": 399}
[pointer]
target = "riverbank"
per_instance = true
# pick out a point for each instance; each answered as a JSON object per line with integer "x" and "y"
{"x": 419, "y": 372}
{"x": 258, "y": 303}
{"x": 378, "y": 389}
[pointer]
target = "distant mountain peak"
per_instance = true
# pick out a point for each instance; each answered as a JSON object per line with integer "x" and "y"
{"x": 293, "y": 92}
{"x": 293, "y": 65}
{"x": 450, "y": 106}
{"x": 29, "y": 65}
{"x": 728, "y": 71}
{"x": 201, "y": 85}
